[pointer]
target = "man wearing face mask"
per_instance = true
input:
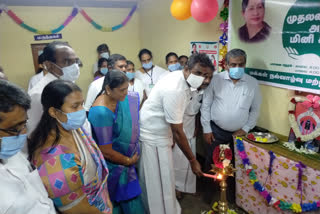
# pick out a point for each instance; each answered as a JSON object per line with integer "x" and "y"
{"x": 103, "y": 52}
{"x": 116, "y": 61}
{"x": 230, "y": 106}
{"x": 61, "y": 62}
{"x": 161, "y": 124}
{"x": 172, "y": 62}
{"x": 22, "y": 191}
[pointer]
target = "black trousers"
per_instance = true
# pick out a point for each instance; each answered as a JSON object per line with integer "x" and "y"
{"x": 221, "y": 137}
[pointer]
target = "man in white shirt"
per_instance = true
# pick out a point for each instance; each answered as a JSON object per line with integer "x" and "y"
{"x": 184, "y": 178}
{"x": 160, "y": 122}
{"x": 103, "y": 52}
{"x": 116, "y": 61}
{"x": 61, "y": 62}
{"x": 40, "y": 74}
{"x": 22, "y": 191}
{"x": 230, "y": 107}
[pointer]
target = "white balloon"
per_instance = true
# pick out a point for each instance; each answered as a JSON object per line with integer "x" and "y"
{"x": 220, "y": 2}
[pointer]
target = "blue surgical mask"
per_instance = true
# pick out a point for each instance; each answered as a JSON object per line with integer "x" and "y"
{"x": 12, "y": 145}
{"x": 130, "y": 75}
{"x": 174, "y": 67}
{"x": 75, "y": 120}
{"x": 236, "y": 73}
{"x": 104, "y": 71}
{"x": 147, "y": 65}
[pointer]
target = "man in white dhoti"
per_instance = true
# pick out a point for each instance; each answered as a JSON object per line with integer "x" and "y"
{"x": 185, "y": 179}
{"x": 160, "y": 123}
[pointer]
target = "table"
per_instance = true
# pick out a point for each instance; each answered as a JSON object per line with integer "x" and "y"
{"x": 283, "y": 181}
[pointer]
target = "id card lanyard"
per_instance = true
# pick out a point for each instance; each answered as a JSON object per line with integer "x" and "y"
{"x": 150, "y": 85}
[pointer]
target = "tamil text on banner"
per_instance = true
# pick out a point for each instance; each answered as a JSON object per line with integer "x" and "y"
{"x": 282, "y": 40}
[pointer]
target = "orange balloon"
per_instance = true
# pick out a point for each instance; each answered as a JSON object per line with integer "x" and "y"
{"x": 181, "y": 9}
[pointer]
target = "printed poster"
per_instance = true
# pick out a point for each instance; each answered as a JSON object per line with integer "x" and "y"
{"x": 210, "y": 48}
{"x": 282, "y": 41}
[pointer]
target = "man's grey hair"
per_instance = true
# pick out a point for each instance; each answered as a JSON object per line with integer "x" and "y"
{"x": 235, "y": 53}
{"x": 12, "y": 95}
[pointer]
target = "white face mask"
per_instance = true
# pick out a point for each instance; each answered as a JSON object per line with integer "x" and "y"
{"x": 195, "y": 81}
{"x": 105, "y": 55}
{"x": 71, "y": 72}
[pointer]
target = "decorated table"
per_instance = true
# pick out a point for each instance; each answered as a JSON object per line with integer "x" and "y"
{"x": 272, "y": 179}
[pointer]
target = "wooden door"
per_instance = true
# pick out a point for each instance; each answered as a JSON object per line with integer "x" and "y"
{"x": 37, "y": 49}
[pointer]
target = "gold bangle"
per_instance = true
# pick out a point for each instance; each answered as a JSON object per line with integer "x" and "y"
{"x": 128, "y": 161}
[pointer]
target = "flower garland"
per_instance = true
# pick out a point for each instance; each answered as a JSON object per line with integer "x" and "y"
{"x": 278, "y": 204}
{"x": 214, "y": 209}
{"x": 292, "y": 118}
{"x": 73, "y": 14}
{"x": 222, "y": 156}
{"x": 292, "y": 147}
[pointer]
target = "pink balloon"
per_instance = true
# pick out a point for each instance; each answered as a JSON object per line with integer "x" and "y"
{"x": 204, "y": 10}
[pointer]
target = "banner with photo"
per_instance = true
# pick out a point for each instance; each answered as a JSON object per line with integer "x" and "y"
{"x": 282, "y": 41}
{"x": 210, "y": 48}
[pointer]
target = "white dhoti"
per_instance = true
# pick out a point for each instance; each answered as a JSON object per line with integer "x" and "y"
{"x": 156, "y": 176}
{"x": 184, "y": 177}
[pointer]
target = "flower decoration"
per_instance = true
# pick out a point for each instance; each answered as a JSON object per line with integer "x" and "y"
{"x": 222, "y": 64}
{"x": 223, "y": 39}
{"x": 312, "y": 101}
{"x": 222, "y": 156}
{"x": 277, "y": 204}
{"x": 224, "y": 14}
{"x": 251, "y": 137}
{"x": 223, "y": 51}
{"x": 224, "y": 26}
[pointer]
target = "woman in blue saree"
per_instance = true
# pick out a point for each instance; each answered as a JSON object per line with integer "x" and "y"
{"x": 114, "y": 117}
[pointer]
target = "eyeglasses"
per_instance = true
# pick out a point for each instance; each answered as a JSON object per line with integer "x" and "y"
{"x": 16, "y": 131}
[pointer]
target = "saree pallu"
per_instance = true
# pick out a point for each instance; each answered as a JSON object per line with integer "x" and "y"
{"x": 63, "y": 170}
{"x": 121, "y": 128}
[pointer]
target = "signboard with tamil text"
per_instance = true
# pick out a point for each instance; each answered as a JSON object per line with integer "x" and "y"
{"x": 282, "y": 41}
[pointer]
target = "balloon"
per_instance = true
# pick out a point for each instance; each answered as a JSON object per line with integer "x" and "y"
{"x": 204, "y": 10}
{"x": 181, "y": 9}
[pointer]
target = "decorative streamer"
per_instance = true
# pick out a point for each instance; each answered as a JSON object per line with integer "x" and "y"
{"x": 278, "y": 204}
{"x": 300, "y": 167}
{"x": 272, "y": 157}
{"x": 224, "y": 38}
{"x": 109, "y": 29}
{"x": 67, "y": 21}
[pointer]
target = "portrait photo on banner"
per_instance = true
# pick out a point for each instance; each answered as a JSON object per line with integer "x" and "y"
{"x": 283, "y": 39}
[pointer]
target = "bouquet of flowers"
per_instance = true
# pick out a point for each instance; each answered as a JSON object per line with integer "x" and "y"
{"x": 222, "y": 156}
